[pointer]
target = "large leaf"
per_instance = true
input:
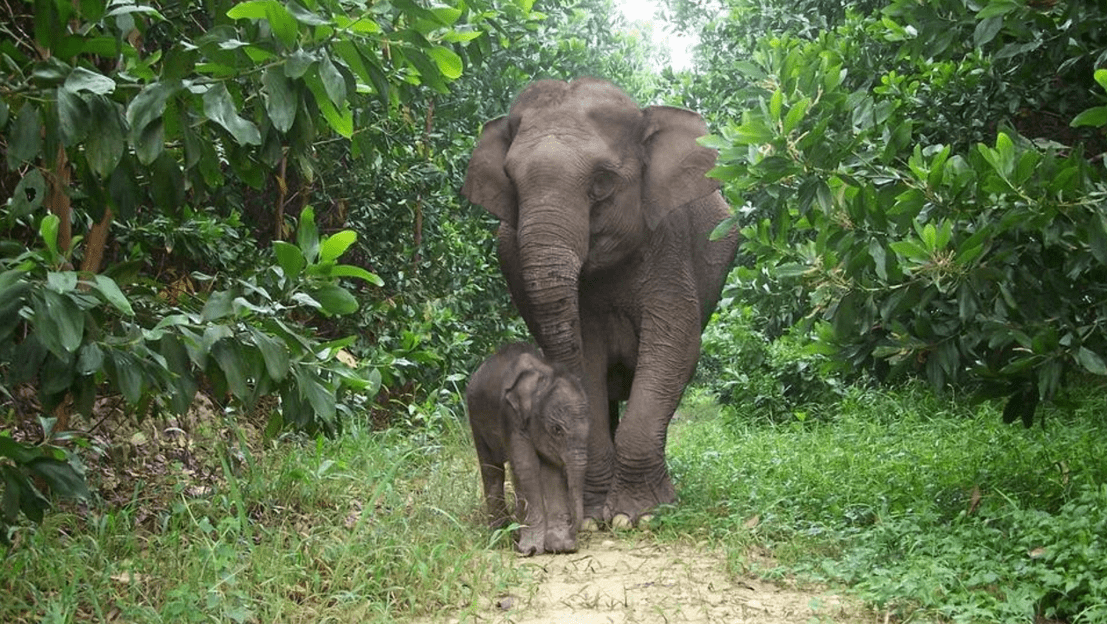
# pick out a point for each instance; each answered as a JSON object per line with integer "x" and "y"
{"x": 105, "y": 144}
{"x": 289, "y": 258}
{"x": 281, "y": 99}
{"x": 449, "y": 63}
{"x": 334, "y": 246}
{"x": 282, "y": 23}
{"x": 275, "y": 354}
{"x": 111, "y": 292}
{"x": 28, "y": 195}
{"x": 81, "y": 79}
{"x": 229, "y": 357}
{"x": 308, "y": 238}
{"x": 73, "y": 117}
{"x": 347, "y": 270}
{"x": 25, "y": 138}
{"x": 335, "y": 300}
{"x": 220, "y": 108}
{"x": 59, "y": 323}
{"x": 60, "y": 476}
{"x": 149, "y": 105}
{"x": 332, "y": 80}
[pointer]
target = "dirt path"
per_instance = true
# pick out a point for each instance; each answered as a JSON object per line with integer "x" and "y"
{"x": 613, "y": 581}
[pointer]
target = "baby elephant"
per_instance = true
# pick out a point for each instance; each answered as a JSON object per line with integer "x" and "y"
{"x": 533, "y": 413}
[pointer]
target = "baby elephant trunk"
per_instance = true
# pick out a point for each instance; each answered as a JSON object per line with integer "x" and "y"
{"x": 576, "y": 470}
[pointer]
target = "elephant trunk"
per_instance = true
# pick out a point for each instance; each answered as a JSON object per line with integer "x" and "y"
{"x": 550, "y": 268}
{"x": 576, "y": 471}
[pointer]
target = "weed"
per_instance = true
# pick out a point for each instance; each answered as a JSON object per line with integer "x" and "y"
{"x": 928, "y": 506}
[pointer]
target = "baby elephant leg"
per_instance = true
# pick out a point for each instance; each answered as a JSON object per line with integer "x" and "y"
{"x": 559, "y": 534}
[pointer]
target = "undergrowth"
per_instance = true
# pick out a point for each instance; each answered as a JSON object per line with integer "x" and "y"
{"x": 928, "y": 507}
{"x": 368, "y": 527}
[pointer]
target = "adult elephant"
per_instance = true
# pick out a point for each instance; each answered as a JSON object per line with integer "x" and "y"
{"x": 605, "y": 214}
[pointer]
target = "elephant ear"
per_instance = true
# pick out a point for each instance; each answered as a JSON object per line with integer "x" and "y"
{"x": 486, "y": 183}
{"x": 675, "y": 165}
{"x": 522, "y": 386}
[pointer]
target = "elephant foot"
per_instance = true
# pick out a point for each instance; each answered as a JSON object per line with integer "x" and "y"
{"x": 530, "y": 542}
{"x": 590, "y": 525}
{"x": 629, "y": 503}
{"x": 622, "y": 522}
{"x": 560, "y": 537}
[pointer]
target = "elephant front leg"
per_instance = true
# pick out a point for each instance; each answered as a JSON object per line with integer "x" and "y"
{"x": 559, "y": 534}
{"x": 641, "y": 481}
{"x": 600, "y": 444}
{"x": 526, "y": 468}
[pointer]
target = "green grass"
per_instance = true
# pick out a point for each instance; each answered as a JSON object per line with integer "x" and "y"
{"x": 878, "y": 497}
{"x": 370, "y": 527}
{"x": 388, "y": 527}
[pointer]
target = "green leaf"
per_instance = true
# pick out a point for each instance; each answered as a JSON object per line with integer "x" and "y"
{"x": 62, "y": 282}
{"x": 321, "y": 398}
{"x": 998, "y": 7}
{"x": 48, "y": 231}
{"x": 60, "y": 476}
{"x": 289, "y": 258}
{"x": 282, "y": 23}
{"x": 1095, "y": 116}
{"x": 73, "y": 117}
{"x": 229, "y": 358}
{"x": 332, "y": 80}
{"x": 986, "y": 30}
{"x": 347, "y": 270}
{"x": 81, "y": 79}
{"x": 28, "y": 195}
{"x": 220, "y": 108}
{"x": 218, "y": 306}
{"x": 111, "y": 292}
{"x": 776, "y": 104}
{"x": 1090, "y": 361}
{"x": 276, "y": 355}
{"x": 308, "y": 238}
{"x": 334, "y": 246}
{"x": 910, "y": 249}
{"x": 25, "y": 139}
{"x": 90, "y": 359}
{"x": 449, "y": 63}
{"x": 335, "y": 300}
{"x": 59, "y": 317}
{"x": 342, "y": 120}
{"x": 795, "y": 115}
{"x": 149, "y": 105}
{"x": 281, "y": 99}
{"x": 105, "y": 144}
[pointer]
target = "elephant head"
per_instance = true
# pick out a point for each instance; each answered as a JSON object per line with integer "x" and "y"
{"x": 551, "y": 406}
{"x": 582, "y": 177}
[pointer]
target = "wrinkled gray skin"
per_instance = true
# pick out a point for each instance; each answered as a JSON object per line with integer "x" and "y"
{"x": 605, "y": 214}
{"x": 525, "y": 410}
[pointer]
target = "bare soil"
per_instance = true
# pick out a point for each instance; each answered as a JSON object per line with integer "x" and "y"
{"x": 615, "y": 580}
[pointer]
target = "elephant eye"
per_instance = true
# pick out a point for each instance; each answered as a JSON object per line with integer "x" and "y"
{"x": 602, "y": 185}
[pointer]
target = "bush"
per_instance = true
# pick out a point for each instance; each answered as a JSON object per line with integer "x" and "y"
{"x": 762, "y": 380}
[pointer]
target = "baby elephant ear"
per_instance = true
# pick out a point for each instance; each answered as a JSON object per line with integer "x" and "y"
{"x": 675, "y": 165}
{"x": 521, "y": 390}
{"x": 486, "y": 183}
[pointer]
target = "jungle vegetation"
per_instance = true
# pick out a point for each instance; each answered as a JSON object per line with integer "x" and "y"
{"x": 240, "y": 296}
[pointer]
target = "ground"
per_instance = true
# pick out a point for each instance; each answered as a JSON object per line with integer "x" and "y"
{"x": 614, "y": 580}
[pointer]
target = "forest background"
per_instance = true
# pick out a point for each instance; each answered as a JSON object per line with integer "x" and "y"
{"x": 254, "y": 206}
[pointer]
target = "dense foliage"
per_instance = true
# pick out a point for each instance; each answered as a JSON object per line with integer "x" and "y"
{"x": 919, "y": 186}
{"x": 258, "y": 202}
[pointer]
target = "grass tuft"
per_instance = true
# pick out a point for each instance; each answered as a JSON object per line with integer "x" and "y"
{"x": 928, "y": 506}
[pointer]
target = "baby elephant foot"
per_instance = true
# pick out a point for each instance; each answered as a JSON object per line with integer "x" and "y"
{"x": 560, "y": 539}
{"x": 530, "y": 541}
